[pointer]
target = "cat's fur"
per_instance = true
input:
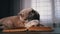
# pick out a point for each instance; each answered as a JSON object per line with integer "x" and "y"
{"x": 19, "y": 20}
{"x": 31, "y": 23}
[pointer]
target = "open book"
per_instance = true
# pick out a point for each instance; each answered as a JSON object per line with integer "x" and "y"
{"x": 22, "y": 29}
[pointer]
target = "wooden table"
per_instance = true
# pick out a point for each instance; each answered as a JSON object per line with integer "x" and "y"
{"x": 56, "y": 31}
{"x": 32, "y": 29}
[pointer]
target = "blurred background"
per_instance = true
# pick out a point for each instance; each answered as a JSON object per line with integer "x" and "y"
{"x": 49, "y": 10}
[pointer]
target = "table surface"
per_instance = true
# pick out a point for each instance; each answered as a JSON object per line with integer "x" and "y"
{"x": 56, "y": 30}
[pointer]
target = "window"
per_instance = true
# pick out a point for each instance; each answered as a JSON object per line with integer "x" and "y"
{"x": 57, "y": 12}
{"x": 44, "y": 8}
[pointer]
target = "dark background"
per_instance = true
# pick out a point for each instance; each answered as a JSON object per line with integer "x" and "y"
{"x": 9, "y": 7}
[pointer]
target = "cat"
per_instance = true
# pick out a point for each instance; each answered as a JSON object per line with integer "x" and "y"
{"x": 24, "y": 17}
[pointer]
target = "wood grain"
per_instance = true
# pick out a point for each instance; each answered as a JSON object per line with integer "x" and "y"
{"x": 42, "y": 29}
{"x": 15, "y": 30}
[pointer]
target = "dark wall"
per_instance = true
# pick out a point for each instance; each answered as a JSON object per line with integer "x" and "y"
{"x": 4, "y": 8}
{"x": 16, "y": 6}
{"x": 9, "y": 7}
